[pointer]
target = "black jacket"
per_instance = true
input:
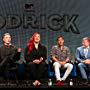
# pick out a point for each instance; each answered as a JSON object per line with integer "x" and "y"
{"x": 8, "y": 55}
{"x": 35, "y": 53}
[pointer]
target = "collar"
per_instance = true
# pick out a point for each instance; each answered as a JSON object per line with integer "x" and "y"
{"x": 87, "y": 47}
{"x": 7, "y": 45}
{"x": 61, "y": 48}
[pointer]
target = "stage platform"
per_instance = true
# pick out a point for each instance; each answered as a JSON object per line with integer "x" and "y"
{"x": 28, "y": 84}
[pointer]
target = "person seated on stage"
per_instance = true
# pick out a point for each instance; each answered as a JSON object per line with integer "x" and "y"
{"x": 35, "y": 56}
{"x": 83, "y": 58}
{"x": 9, "y": 54}
{"x": 61, "y": 55}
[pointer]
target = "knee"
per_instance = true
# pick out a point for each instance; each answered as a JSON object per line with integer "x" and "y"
{"x": 80, "y": 65}
{"x": 30, "y": 66}
{"x": 71, "y": 66}
{"x": 56, "y": 64}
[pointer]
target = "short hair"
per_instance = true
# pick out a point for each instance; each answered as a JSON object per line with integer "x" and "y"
{"x": 60, "y": 37}
{"x": 6, "y": 34}
{"x": 86, "y": 38}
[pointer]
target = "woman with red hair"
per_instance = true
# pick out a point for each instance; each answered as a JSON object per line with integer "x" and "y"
{"x": 35, "y": 56}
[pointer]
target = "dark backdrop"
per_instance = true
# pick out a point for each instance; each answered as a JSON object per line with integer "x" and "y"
{"x": 21, "y": 35}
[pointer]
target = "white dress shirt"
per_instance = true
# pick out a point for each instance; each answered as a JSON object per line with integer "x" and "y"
{"x": 86, "y": 51}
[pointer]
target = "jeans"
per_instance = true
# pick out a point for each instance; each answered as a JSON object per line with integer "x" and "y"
{"x": 84, "y": 70}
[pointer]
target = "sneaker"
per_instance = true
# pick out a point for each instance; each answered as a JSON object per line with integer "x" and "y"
{"x": 59, "y": 83}
{"x": 62, "y": 83}
{"x": 85, "y": 82}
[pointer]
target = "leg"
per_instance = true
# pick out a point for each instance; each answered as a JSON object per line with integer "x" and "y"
{"x": 57, "y": 67}
{"x": 88, "y": 71}
{"x": 31, "y": 71}
{"x": 68, "y": 71}
{"x": 82, "y": 70}
{"x": 89, "y": 76}
{"x": 40, "y": 70}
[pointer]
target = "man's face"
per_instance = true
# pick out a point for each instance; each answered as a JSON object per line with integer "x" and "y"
{"x": 60, "y": 41}
{"x": 85, "y": 43}
{"x": 7, "y": 39}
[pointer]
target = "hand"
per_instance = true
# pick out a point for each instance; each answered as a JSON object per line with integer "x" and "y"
{"x": 36, "y": 61}
{"x": 19, "y": 49}
{"x": 62, "y": 63}
{"x": 41, "y": 59}
{"x": 67, "y": 59}
{"x": 30, "y": 63}
{"x": 86, "y": 61}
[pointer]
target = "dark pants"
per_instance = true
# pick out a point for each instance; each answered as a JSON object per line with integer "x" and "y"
{"x": 35, "y": 71}
{"x": 9, "y": 73}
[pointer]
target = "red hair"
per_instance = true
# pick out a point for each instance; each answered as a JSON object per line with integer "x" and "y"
{"x": 31, "y": 43}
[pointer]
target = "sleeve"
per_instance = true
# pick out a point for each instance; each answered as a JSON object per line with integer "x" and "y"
{"x": 44, "y": 53}
{"x": 28, "y": 57}
{"x": 17, "y": 55}
{"x": 68, "y": 53}
{"x": 14, "y": 54}
{"x": 78, "y": 56}
{"x": 0, "y": 55}
{"x": 53, "y": 52}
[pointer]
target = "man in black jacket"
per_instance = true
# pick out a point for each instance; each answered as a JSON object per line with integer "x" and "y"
{"x": 9, "y": 54}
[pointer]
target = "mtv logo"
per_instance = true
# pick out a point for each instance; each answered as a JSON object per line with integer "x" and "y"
{"x": 29, "y": 7}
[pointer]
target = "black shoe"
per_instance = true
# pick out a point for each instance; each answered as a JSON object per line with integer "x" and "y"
{"x": 85, "y": 82}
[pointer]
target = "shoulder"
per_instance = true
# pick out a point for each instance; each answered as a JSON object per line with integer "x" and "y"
{"x": 79, "y": 48}
{"x": 13, "y": 47}
{"x": 44, "y": 46}
{"x": 66, "y": 48}
{"x": 54, "y": 47}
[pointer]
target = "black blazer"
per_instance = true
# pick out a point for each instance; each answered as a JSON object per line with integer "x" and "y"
{"x": 9, "y": 55}
{"x": 35, "y": 53}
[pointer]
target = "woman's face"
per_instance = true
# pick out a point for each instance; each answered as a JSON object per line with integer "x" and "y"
{"x": 37, "y": 38}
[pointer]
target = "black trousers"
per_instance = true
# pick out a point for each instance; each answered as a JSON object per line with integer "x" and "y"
{"x": 35, "y": 71}
{"x": 9, "y": 73}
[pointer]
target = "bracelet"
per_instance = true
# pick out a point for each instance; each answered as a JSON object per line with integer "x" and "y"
{"x": 41, "y": 59}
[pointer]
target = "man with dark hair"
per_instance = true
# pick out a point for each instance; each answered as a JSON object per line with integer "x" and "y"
{"x": 61, "y": 56}
{"x": 83, "y": 58}
{"x": 9, "y": 54}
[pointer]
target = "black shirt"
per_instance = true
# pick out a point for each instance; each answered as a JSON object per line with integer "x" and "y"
{"x": 10, "y": 53}
{"x": 35, "y": 53}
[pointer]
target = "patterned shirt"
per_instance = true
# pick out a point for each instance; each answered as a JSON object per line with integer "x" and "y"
{"x": 60, "y": 54}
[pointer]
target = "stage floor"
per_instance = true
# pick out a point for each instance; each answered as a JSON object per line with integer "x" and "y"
{"x": 28, "y": 84}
